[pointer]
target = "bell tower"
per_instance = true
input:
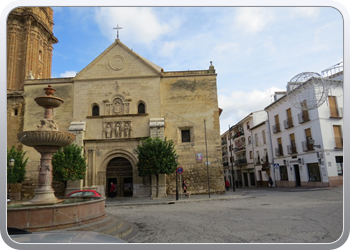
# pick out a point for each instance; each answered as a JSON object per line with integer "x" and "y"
{"x": 29, "y": 45}
{"x": 30, "y": 42}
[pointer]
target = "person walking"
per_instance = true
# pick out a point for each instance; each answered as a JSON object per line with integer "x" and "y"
{"x": 227, "y": 185}
{"x": 112, "y": 190}
{"x": 184, "y": 186}
{"x": 270, "y": 182}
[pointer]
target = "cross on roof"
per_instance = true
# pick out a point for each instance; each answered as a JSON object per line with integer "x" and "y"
{"x": 117, "y": 28}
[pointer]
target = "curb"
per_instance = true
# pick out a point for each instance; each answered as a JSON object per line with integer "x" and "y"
{"x": 170, "y": 202}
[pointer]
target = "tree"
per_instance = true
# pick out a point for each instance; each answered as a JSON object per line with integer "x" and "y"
{"x": 18, "y": 171}
{"x": 68, "y": 163}
{"x": 156, "y": 157}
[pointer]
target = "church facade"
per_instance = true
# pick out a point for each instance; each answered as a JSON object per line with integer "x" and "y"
{"x": 121, "y": 98}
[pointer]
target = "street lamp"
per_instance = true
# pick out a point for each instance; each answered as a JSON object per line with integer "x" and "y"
{"x": 11, "y": 165}
{"x": 177, "y": 189}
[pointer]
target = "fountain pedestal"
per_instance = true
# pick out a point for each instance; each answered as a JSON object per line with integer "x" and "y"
{"x": 46, "y": 140}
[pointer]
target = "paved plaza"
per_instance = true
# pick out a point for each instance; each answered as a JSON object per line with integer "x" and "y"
{"x": 257, "y": 215}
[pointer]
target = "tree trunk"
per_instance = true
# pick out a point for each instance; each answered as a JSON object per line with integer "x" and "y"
{"x": 157, "y": 185}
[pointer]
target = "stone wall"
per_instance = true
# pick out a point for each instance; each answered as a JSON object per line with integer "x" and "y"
{"x": 187, "y": 100}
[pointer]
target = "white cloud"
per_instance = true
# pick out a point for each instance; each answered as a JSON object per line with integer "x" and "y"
{"x": 239, "y": 104}
{"x": 321, "y": 41}
{"x": 137, "y": 23}
{"x": 168, "y": 48}
{"x": 68, "y": 74}
{"x": 253, "y": 19}
{"x": 225, "y": 47}
{"x": 311, "y": 12}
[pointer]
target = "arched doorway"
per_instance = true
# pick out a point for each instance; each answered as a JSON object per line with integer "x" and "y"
{"x": 119, "y": 171}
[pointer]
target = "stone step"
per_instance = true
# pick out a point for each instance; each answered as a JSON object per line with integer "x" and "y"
{"x": 111, "y": 225}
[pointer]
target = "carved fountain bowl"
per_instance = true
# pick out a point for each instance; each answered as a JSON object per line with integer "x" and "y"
{"x": 48, "y": 101}
{"x": 45, "y": 138}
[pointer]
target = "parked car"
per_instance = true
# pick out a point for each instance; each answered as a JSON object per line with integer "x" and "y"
{"x": 84, "y": 194}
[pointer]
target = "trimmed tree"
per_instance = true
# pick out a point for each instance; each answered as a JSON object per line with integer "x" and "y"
{"x": 68, "y": 164}
{"x": 18, "y": 171}
{"x": 156, "y": 156}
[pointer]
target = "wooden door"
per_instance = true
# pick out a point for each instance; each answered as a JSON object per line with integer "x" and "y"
{"x": 289, "y": 117}
{"x": 333, "y": 106}
{"x": 338, "y": 136}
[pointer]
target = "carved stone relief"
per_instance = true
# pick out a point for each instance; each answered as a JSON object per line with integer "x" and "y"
{"x": 117, "y": 130}
{"x": 116, "y": 62}
{"x": 117, "y": 106}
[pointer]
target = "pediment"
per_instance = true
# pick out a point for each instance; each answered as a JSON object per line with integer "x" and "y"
{"x": 118, "y": 61}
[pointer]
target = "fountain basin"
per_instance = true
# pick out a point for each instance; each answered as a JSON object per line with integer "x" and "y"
{"x": 55, "y": 217}
{"x": 48, "y": 101}
{"x": 45, "y": 138}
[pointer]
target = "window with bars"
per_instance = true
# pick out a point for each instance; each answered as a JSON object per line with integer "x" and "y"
{"x": 186, "y": 135}
{"x": 95, "y": 110}
{"x": 141, "y": 108}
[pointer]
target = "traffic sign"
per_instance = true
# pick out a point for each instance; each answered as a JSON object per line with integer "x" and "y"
{"x": 179, "y": 170}
{"x": 276, "y": 165}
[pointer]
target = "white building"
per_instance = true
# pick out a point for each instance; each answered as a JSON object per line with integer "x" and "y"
{"x": 294, "y": 147}
{"x": 262, "y": 153}
{"x": 238, "y": 152}
{"x": 308, "y": 144}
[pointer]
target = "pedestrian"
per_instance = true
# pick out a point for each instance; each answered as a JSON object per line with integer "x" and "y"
{"x": 112, "y": 190}
{"x": 184, "y": 186}
{"x": 270, "y": 182}
{"x": 227, "y": 185}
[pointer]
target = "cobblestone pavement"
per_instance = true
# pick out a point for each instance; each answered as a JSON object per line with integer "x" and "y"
{"x": 258, "y": 216}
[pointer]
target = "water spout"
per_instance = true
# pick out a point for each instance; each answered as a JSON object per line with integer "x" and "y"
{"x": 22, "y": 138}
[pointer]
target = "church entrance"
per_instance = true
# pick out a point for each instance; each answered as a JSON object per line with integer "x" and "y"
{"x": 119, "y": 171}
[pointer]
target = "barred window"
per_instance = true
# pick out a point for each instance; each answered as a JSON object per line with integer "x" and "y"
{"x": 95, "y": 111}
{"x": 141, "y": 108}
{"x": 186, "y": 135}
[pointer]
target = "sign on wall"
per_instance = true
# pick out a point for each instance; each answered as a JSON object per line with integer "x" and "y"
{"x": 199, "y": 157}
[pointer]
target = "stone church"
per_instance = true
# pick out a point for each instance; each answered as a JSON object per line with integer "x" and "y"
{"x": 117, "y": 100}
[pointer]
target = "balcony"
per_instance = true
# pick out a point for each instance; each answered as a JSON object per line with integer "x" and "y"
{"x": 238, "y": 149}
{"x": 225, "y": 164}
{"x": 292, "y": 149}
{"x": 238, "y": 134}
{"x": 279, "y": 150}
{"x": 276, "y": 128}
{"x": 223, "y": 143}
{"x": 303, "y": 117}
{"x": 257, "y": 161}
{"x": 307, "y": 146}
{"x": 224, "y": 154}
{"x": 335, "y": 112}
{"x": 288, "y": 123}
{"x": 241, "y": 161}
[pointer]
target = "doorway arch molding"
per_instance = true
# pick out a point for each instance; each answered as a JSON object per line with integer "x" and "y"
{"x": 119, "y": 153}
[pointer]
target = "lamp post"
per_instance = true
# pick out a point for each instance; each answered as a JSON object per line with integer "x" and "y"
{"x": 11, "y": 165}
{"x": 177, "y": 189}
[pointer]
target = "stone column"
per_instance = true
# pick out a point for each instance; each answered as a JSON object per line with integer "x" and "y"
{"x": 91, "y": 171}
{"x": 77, "y": 128}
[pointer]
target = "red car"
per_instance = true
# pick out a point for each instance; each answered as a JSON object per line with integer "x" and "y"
{"x": 84, "y": 193}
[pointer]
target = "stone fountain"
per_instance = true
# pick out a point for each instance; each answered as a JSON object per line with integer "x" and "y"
{"x": 46, "y": 140}
{"x": 45, "y": 212}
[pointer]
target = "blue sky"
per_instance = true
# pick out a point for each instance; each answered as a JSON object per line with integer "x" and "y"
{"x": 255, "y": 50}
